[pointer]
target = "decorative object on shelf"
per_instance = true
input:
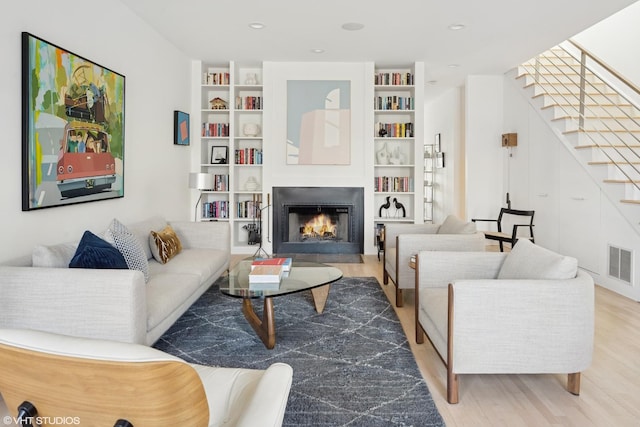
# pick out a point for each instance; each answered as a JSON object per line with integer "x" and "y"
{"x": 382, "y": 155}
{"x": 251, "y": 129}
{"x": 397, "y": 158}
{"x": 318, "y": 122}
{"x": 201, "y": 182}
{"x": 399, "y": 207}
{"x": 382, "y": 132}
{"x": 82, "y": 103}
{"x": 180, "y": 128}
{"x": 385, "y": 206}
{"x": 251, "y": 184}
{"x": 251, "y": 79}
{"x": 440, "y": 160}
{"x": 219, "y": 155}
{"x": 436, "y": 145}
{"x": 218, "y": 103}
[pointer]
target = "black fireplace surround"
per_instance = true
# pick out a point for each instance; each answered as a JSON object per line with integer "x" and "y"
{"x": 294, "y": 205}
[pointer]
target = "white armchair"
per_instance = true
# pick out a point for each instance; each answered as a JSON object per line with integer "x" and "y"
{"x": 526, "y": 312}
{"x": 402, "y": 241}
{"x": 98, "y": 382}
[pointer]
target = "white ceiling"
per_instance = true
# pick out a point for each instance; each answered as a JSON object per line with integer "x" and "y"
{"x": 498, "y": 34}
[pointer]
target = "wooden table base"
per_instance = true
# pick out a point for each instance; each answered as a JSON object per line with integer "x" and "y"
{"x": 265, "y": 327}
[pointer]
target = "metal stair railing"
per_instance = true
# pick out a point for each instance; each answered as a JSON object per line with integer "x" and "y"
{"x": 582, "y": 108}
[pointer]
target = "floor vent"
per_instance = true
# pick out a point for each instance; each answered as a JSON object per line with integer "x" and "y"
{"x": 620, "y": 263}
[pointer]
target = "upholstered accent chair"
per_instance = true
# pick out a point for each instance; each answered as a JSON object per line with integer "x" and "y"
{"x": 402, "y": 241}
{"x": 99, "y": 382}
{"x": 529, "y": 311}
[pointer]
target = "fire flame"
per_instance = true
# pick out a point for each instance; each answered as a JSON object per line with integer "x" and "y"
{"x": 320, "y": 225}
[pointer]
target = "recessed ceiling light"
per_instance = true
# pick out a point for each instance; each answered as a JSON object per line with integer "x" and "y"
{"x": 432, "y": 82}
{"x": 453, "y": 65}
{"x": 456, "y": 27}
{"x": 352, "y": 26}
{"x": 256, "y": 25}
{"x": 317, "y": 50}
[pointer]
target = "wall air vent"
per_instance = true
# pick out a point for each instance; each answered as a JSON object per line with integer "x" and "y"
{"x": 620, "y": 263}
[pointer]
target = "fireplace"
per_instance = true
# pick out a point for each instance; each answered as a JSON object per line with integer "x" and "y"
{"x": 318, "y": 220}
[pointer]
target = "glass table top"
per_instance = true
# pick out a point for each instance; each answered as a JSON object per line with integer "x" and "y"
{"x": 302, "y": 276}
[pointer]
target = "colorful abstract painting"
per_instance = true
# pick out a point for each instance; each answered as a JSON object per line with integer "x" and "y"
{"x": 180, "y": 128}
{"x": 318, "y": 122}
{"x": 72, "y": 127}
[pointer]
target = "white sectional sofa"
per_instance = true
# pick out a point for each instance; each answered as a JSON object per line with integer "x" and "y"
{"x": 114, "y": 304}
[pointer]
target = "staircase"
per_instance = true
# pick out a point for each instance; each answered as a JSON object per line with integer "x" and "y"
{"x": 595, "y": 111}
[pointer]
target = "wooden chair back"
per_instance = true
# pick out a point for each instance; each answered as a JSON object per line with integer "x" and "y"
{"x": 508, "y": 218}
{"x": 511, "y": 224}
{"x": 99, "y": 392}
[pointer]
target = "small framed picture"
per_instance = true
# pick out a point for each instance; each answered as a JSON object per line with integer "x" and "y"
{"x": 440, "y": 160}
{"x": 436, "y": 144}
{"x": 219, "y": 154}
{"x": 180, "y": 128}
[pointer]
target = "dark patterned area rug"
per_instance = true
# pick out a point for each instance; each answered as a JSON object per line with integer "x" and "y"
{"x": 352, "y": 365}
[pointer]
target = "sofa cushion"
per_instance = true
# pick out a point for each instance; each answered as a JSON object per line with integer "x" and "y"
{"x": 530, "y": 261}
{"x": 204, "y": 263}
{"x": 166, "y": 292}
{"x": 93, "y": 252}
{"x": 454, "y": 225}
{"x": 164, "y": 244}
{"x": 54, "y": 256}
{"x": 129, "y": 246}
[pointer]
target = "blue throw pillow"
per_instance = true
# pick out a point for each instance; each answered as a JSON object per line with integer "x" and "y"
{"x": 93, "y": 252}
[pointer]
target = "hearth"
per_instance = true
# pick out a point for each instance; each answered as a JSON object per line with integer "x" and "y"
{"x": 318, "y": 220}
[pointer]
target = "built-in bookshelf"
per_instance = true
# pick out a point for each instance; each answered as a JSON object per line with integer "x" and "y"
{"x": 230, "y": 146}
{"x": 398, "y": 107}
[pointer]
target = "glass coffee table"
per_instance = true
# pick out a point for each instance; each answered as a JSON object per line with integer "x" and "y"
{"x": 303, "y": 276}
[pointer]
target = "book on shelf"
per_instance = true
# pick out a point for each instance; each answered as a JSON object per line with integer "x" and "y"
{"x": 284, "y": 262}
{"x": 266, "y": 274}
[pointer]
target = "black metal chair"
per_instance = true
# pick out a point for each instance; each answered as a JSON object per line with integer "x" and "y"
{"x": 506, "y": 219}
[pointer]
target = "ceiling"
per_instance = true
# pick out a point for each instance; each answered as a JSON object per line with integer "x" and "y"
{"x": 498, "y": 34}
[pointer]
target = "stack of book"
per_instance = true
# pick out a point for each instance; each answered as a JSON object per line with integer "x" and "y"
{"x": 266, "y": 273}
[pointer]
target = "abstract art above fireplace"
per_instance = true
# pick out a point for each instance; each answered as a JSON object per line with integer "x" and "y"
{"x": 318, "y": 122}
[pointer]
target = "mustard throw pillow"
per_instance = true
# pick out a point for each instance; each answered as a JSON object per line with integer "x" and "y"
{"x": 164, "y": 244}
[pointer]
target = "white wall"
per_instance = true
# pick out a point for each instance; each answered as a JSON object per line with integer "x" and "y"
{"x": 443, "y": 115}
{"x": 614, "y": 40}
{"x": 276, "y": 171}
{"x": 157, "y": 82}
{"x": 485, "y": 184}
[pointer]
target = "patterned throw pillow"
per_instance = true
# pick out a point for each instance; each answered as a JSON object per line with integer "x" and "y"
{"x": 129, "y": 246}
{"x": 93, "y": 252}
{"x": 164, "y": 244}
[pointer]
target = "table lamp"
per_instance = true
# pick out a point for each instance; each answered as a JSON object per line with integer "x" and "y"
{"x": 201, "y": 182}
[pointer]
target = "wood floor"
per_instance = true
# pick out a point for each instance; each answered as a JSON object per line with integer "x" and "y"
{"x": 610, "y": 391}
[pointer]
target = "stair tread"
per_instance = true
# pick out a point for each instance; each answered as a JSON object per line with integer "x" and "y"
{"x": 601, "y": 131}
{"x": 579, "y": 147}
{"x": 631, "y": 201}
{"x": 588, "y": 104}
{"x": 621, "y": 181}
{"x": 568, "y": 116}
{"x": 607, "y": 162}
